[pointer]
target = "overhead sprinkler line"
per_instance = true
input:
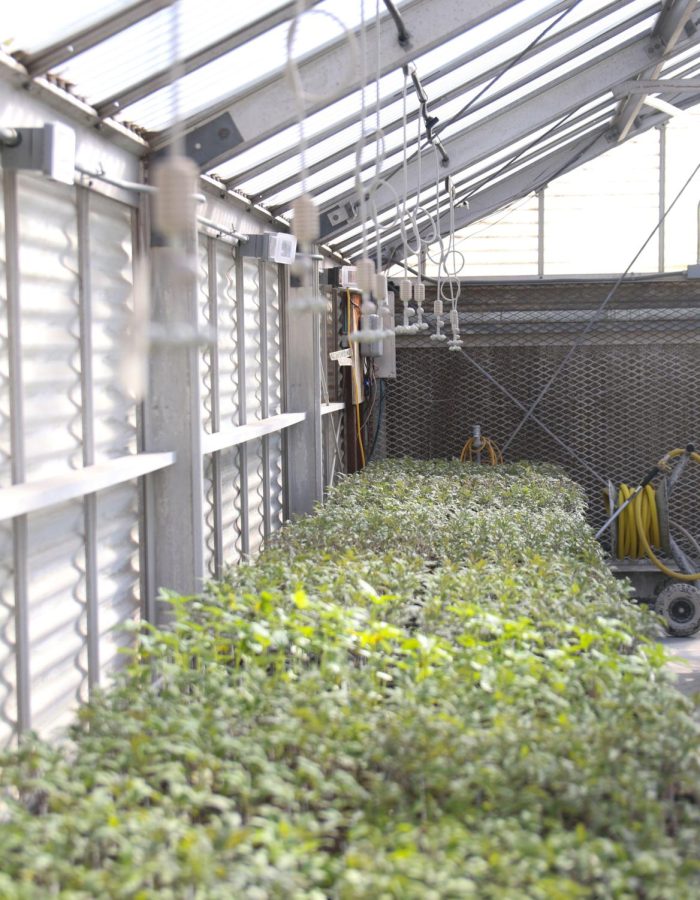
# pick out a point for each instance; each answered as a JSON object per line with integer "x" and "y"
{"x": 371, "y": 283}
{"x": 305, "y": 221}
{"x": 430, "y": 122}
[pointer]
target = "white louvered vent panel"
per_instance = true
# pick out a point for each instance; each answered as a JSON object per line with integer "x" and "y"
{"x": 209, "y": 518}
{"x": 228, "y": 339}
{"x": 5, "y": 474}
{"x": 203, "y": 319}
{"x": 256, "y": 526}
{"x": 7, "y": 666}
{"x": 274, "y": 389}
{"x": 8, "y": 706}
{"x": 57, "y": 615}
{"x": 251, "y": 313}
{"x": 118, "y": 584}
{"x": 231, "y": 506}
{"x": 115, "y": 430}
{"x": 50, "y": 327}
{"x": 276, "y": 496}
{"x": 111, "y": 269}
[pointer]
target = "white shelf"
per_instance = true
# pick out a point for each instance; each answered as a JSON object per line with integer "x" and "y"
{"x": 31, "y": 496}
{"x": 232, "y": 437}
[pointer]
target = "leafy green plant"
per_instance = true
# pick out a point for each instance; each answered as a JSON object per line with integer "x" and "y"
{"x": 433, "y": 687}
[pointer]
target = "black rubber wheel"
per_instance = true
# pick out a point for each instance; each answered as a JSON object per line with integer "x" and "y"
{"x": 679, "y": 606}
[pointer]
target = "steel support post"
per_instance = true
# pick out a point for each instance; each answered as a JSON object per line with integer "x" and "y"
{"x": 174, "y": 423}
{"x": 19, "y": 524}
{"x": 303, "y": 394}
{"x": 88, "y": 419}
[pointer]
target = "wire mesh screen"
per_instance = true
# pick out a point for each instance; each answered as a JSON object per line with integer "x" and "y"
{"x": 626, "y": 396}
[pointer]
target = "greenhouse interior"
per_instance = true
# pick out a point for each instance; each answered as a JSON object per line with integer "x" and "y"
{"x": 349, "y": 485}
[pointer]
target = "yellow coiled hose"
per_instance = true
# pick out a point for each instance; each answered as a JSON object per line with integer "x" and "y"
{"x": 488, "y": 448}
{"x": 638, "y": 524}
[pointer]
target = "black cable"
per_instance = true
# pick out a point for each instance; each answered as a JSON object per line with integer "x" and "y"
{"x": 511, "y": 63}
{"x": 404, "y": 36}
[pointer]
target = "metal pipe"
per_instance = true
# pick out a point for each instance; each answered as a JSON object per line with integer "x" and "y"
{"x": 17, "y": 445}
{"x": 211, "y": 224}
{"x": 9, "y": 137}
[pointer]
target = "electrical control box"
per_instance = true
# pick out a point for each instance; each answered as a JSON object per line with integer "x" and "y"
{"x": 272, "y": 246}
{"x": 49, "y": 150}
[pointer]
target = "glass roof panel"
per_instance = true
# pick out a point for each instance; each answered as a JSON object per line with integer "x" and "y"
{"x": 526, "y": 86}
{"x": 445, "y": 86}
{"x": 31, "y": 27}
{"x": 509, "y": 160}
{"x": 248, "y": 64}
{"x": 152, "y": 44}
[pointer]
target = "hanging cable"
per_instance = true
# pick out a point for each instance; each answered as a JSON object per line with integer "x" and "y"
{"x": 378, "y": 426}
{"x": 403, "y": 36}
{"x": 436, "y": 128}
{"x": 357, "y": 380}
{"x": 305, "y": 216}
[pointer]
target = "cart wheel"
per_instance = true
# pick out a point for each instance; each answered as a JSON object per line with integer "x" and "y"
{"x": 679, "y": 606}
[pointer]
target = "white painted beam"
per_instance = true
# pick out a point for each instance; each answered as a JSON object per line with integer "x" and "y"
{"x": 32, "y": 496}
{"x": 49, "y": 58}
{"x": 248, "y": 117}
{"x": 328, "y": 409}
{"x": 674, "y": 18}
{"x": 241, "y": 434}
{"x": 506, "y": 126}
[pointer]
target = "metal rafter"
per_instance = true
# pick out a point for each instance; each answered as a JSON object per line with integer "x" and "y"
{"x": 674, "y": 19}
{"x": 348, "y": 245}
{"x": 507, "y": 126}
{"x": 491, "y": 98}
{"x": 44, "y": 60}
{"x": 586, "y": 126}
{"x": 149, "y": 85}
{"x": 394, "y": 96}
{"x": 657, "y": 86}
{"x": 248, "y": 117}
{"x": 536, "y": 176}
{"x": 475, "y": 83}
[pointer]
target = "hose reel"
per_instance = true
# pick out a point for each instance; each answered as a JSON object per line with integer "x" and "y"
{"x": 641, "y": 526}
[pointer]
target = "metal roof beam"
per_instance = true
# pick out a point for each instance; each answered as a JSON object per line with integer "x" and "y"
{"x": 534, "y": 177}
{"x": 506, "y": 126}
{"x": 250, "y": 116}
{"x": 149, "y": 85}
{"x": 593, "y": 122}
{"x": 656, "y": 86}
{"x": 675, "y": 20}
{"x": 484, "y": 177}
{"x": 474, "y": 83}
{"x": 486, "y": 101}
{"x": 44, "y": 60}
{"x": 426, "y": 79}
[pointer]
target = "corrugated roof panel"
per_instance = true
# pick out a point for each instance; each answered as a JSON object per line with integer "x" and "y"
{"x": 24, "y": 28}
{"x": 244, "y": 66}
{"x": 154, "y": 43}
{"x": 520, "y": 75}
